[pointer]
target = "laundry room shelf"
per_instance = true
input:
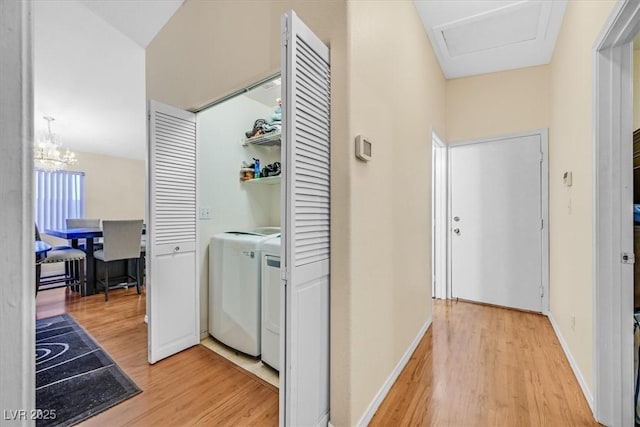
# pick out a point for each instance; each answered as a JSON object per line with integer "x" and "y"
{"x": 267, "y": 140}
{"x": 270, "y": 180}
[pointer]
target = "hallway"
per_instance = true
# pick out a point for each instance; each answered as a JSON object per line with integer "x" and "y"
{"x": 485, "y": 366}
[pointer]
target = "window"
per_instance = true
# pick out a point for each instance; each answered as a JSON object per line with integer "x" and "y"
{"x": 58, "y": 196}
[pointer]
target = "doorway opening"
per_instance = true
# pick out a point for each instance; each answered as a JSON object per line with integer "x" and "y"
{"x": 239, "y": 148}
{"x": 439, "y": 206}
{"x": 613, "y": 220}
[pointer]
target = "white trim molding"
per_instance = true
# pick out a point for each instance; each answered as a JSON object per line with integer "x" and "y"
{"x": 612, "y": 216}
{"x": 17, "y": 293}
{"x": 365, "y": 419}
{"x": 439, "y": 216}
{"x": 572, "y": 362}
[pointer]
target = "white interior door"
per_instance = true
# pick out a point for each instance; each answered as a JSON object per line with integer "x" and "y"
{"x": 306, "y": 209}
{"x": 496, "y": 222}
{"x": 172, "y": 292}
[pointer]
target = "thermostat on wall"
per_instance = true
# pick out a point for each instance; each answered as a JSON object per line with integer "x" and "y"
{"x": 363, "y": 148}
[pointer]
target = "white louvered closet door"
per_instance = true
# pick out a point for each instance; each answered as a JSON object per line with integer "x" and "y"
{"x": 172, "y": 291}
{"x": 306, "y": 210}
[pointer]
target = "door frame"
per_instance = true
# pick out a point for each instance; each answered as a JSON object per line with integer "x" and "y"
{"x": 544, "y": 164}
{"x": 439, "y": 215}
{"x": 612, "y": 215}
{"x": 17, "y": 297}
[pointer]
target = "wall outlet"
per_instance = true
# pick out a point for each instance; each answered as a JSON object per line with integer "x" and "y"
{"x": 204, "y": 213}
{"x": 573, "y": 323}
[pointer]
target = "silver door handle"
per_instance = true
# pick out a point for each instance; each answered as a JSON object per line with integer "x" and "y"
{"x": 457, "y": 231}
{"x": 176, "y": 249}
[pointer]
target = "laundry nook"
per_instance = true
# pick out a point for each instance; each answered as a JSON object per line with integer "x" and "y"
{"x": 239, "y": 139}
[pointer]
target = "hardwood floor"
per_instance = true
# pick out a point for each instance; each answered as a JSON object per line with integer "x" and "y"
{"x": 476, "y": 366}
{"x": 486, "y": 366}
{"x": 194, "y": 387}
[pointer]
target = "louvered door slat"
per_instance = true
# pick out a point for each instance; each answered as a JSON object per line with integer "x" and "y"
{"x": 306, "y": 197}
{"x": 173, "y": 293}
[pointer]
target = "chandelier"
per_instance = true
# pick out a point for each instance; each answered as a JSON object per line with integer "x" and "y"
{"x": 48, "y": 155}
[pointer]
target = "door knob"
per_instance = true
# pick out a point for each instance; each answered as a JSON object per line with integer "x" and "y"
{"x": 457, "y": 231}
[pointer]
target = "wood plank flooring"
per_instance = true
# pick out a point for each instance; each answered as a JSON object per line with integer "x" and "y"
{"x": 476, "y": 366}
{"x": 486, "y": 366}
{"x": 194, "y": 387}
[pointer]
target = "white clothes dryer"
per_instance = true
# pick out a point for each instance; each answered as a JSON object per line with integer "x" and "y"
{"x": 271, "y": 296}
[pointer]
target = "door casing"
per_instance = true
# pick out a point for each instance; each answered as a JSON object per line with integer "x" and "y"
{"x": 439, "y": 215}
{"x": 612, "y": 216}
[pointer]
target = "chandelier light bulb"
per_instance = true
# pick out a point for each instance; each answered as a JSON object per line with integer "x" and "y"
{"x": 48, "y": 152}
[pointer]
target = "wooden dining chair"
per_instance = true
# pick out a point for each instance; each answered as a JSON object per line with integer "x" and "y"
{"x": 121, "y": 240}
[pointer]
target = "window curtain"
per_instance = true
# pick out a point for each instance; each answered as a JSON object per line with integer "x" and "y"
{"x": 58, "y": 196}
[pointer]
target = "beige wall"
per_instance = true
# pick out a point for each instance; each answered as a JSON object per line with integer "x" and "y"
{"x": 211, "y": 48}
{"x": 498, "y": 103}
{"x": 571, "y": 146}
{"x": 397, "y": 94}
{"x": 114, "y": 186}
{"x": 114, "y": 189}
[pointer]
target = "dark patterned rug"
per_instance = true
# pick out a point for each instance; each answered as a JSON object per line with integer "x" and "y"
{"x": 75, "y": 378}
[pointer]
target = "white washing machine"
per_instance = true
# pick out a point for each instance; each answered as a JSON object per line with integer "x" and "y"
{"x": 234, "y": 288}
{"x": 270, "y": 329}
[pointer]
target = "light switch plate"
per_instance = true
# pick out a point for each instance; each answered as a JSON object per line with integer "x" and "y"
{"x": 204, "y": 213}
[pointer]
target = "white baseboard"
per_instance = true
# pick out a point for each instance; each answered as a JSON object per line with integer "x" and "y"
{"x": 375, "y": 403}
{"x": 572, "y": 363}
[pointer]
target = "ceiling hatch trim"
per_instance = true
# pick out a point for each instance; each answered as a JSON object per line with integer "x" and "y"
{"x": 513, "y": 35}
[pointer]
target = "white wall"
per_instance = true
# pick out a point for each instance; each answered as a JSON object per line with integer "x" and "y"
{"x": 91, "y": 78}
{"x": 235, "y": 205}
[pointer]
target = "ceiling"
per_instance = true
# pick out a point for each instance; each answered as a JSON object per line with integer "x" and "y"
{"x": 89, "y": 71}
{"x": 89, "y": 58}
{"x": 267, "y": 93}
{"x": 477, "y": 37}
{"x": 140, "y": 20}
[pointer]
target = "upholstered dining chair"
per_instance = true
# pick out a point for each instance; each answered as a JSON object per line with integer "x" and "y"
{"x": 121, "y": 240}
{"x": 69, "y": 257}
